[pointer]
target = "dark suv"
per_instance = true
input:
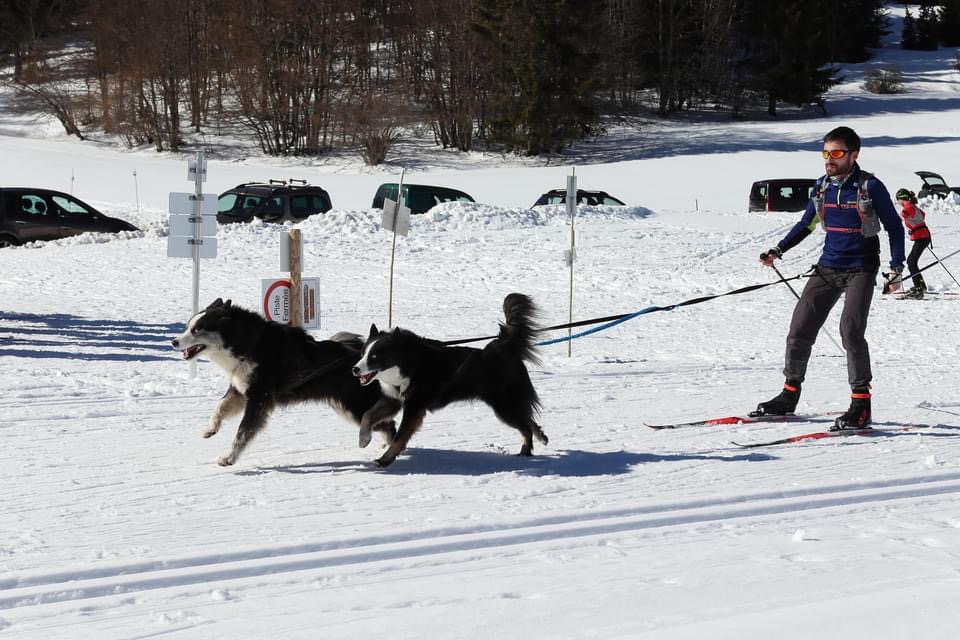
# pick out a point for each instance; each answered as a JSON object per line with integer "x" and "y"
{"x": 275, "y": 201}
{"x": 781, "y": 194}
{"x": 934, "y": 185}
{"x": 589, "y": 198}
{"x": 29, "y": 214}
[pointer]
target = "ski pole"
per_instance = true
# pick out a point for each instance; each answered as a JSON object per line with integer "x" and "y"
{"x": 797, "y": 296}
{"x": 929, "y": 266}
{"x": 930, "y": 249}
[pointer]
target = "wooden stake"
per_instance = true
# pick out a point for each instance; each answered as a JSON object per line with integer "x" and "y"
{"x": 296, "y": 306}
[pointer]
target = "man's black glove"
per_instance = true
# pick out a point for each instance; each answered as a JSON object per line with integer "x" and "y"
{"x": 768, "y": 256}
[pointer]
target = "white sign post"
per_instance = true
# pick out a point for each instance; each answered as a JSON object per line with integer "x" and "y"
{"x": 571, "y": 254}
{"x": 193, "y": 227}
{"x": 396, "y": 218}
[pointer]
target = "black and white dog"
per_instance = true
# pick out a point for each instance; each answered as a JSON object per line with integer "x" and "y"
{"x": 270, "y": 365}
{"x": 426, "y": 375}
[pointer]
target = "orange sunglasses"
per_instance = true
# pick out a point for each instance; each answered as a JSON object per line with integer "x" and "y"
{"x": 836, "y": 154}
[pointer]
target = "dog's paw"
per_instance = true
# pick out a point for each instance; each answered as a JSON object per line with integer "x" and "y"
{"x": 365, "y": 436}
{"x": 210, "y": 432}
{"x": 225, "y": 461}
{"x": 384, "y": 461}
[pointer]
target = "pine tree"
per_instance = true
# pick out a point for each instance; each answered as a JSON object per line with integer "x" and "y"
{"x": 950, "y": 23}
{"x": 928, "y": 28}
{"x": 787, "y": 51}
{"x": 850, "y": 39}
{"x": 908, "y": 37}
{"x": 540, "y": 71}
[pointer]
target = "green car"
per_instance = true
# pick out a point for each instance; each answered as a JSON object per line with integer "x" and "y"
{"x": 420, "y": 198}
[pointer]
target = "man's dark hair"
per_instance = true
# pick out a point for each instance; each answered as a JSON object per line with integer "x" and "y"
{"x": 846, "y": 135}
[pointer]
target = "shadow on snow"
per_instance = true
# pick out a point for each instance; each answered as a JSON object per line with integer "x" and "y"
{"x": 69, "y": 337}
{"x": 566, "y": 463}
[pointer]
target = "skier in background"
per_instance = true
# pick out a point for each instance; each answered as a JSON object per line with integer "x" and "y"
{"x": 915, "y": 220}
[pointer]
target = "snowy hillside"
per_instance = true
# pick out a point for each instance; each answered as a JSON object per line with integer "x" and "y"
{"x": 118, "y": 523}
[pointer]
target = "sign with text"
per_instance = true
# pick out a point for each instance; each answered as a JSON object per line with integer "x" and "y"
{"x": 275, "y": 297}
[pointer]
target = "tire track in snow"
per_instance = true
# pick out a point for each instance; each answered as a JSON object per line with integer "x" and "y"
{"x": 83, "y": 584}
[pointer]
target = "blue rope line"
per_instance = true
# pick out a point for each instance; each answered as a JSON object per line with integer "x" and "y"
{"x": 600, "y": 327}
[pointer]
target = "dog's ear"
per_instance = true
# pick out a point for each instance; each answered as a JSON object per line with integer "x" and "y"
{"x": 227, "y": 303}
{"x": 374, "y": 332}
{"x": 216, "y": 303}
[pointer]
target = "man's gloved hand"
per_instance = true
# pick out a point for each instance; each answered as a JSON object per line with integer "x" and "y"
{"x": 768, "y": 256}
{"x": 892, "y": 281}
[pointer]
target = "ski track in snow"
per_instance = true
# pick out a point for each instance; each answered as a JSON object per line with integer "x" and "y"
{"x": 39, "y": 589}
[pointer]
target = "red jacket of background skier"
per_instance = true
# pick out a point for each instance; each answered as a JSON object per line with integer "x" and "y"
{"x": 913, "y": 218}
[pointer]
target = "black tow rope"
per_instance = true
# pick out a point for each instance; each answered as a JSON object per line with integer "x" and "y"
{"x": 605, "y": 322}
{"x": 610, "y": 321}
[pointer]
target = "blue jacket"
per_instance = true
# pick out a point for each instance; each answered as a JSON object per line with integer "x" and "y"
{"x": 844, "y": 247}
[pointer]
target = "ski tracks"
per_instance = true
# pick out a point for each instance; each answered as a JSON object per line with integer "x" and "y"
{"x": 26, "y": 591}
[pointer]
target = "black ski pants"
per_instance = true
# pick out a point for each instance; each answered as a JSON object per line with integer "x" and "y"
{"x": 913, "y": 260}
{"x": 821, "y": 293}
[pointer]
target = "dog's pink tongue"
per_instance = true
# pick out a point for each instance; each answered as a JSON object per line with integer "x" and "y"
{"x": 189, "y": 353}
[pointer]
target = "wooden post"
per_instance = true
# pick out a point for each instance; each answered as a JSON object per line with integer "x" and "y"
{"x": 296, "y": 306}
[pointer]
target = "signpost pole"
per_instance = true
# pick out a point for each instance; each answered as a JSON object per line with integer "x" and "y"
{"x": 296, "y": 306}
{"x": 197, "y": 230}
{"x": 197, "y": 240}
{"x": 572, "y": 210}
{"x": 393, "y": 247}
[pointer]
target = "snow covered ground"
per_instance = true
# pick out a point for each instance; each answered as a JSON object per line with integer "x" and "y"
{"x": 116, "y": 521}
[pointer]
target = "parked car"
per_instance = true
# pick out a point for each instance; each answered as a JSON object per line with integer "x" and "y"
{"x": 420, "y": 198}
{"x": 584, "y": 197}
{"x": 781, "y": 194}
{"x": 934, "y": 185}
{"x": 274, "y": 201}
{"x": 28, "y": 214}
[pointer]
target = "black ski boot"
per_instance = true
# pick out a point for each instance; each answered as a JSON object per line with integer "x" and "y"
{"x": 916, "y": 291}
{"x": 783, "y": 405}
{"x": 858, "y": 415}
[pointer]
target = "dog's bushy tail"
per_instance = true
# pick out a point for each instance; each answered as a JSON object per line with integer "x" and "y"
{"x": 519, "y": 332}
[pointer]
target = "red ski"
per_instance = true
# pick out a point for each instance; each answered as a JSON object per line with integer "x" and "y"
{"x": 819, "y": 435}
{"x": 711, "y": 422}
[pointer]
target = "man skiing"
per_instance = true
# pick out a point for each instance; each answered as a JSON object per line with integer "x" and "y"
{"x": 851, "y": 205}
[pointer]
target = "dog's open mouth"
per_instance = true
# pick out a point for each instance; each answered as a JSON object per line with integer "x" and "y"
{"x": 190, "y": 352}
{"x": 367, "y": 378}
